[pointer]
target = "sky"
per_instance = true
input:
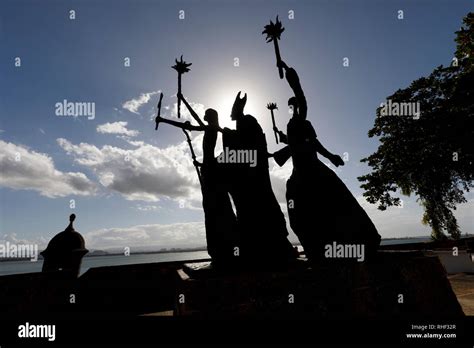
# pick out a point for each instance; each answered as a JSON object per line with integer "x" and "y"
{"x": 132, "y": 186}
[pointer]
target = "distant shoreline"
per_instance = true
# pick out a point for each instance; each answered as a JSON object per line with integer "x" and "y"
{"x": 97, "y": 253}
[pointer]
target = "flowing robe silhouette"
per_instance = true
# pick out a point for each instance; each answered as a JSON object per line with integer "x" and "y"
{"x": 219, "y": 218}
{"x": 261, "y": 223}
{"x": 321, "y": 209}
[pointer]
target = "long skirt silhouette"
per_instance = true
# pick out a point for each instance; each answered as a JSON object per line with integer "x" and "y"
{"x": 321, "y": 208}
{"x": 261, "y": 223}
{"x": 219, "y": 217}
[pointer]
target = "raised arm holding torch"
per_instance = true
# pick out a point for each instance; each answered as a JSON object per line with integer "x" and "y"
{"x": 271, "y": 107}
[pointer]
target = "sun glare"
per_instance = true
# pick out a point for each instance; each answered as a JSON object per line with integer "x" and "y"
{"x": 224, "y": 100}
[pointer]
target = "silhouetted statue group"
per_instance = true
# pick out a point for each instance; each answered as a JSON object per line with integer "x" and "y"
{"x": 321, "y": 208}
{"x": 257, "y": 231}
{"x": 322, "y": 211}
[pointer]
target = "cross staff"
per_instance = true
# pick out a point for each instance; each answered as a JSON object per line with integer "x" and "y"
{"x": 158, "y": 115}
{"x": 271, "y": 107}
{"x": 181, "y": 67}
{"x": 273, "y": 32}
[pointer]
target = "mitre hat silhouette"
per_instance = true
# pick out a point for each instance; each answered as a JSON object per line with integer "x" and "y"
{"x": 239, "y": 104}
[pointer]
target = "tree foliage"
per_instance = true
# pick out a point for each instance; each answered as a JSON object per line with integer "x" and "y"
{"x": 432, "y": 156}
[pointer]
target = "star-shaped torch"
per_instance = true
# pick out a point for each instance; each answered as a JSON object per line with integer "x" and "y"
{"x": 181, "y": 67}
{"x": 271, "y": 107}
{"x": 273, "y": 32}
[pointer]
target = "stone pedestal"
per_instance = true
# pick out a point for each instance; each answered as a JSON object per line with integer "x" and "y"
{"x": 394, "y": 285}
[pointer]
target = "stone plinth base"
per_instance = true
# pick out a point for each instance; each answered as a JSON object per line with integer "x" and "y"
{"x": 394, "y": 285}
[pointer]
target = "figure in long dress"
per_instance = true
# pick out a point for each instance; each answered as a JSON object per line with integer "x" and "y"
{"x": 321, "y": 208}
{"x": 262, "y": 225}
{"x": 220, "y": 220}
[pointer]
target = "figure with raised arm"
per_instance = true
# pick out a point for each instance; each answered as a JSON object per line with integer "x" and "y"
{"x": 321, "y": 208}
{"x": 220, "y": 220}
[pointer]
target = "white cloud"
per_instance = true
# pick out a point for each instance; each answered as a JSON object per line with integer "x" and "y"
{"x": 147, "y": 207}
{"x": 279, "y": 176}
{"x": 144, "y": 173}
{"x": 24, "y": 169}
{"x": 134, "y": 142}
{"x": 133, "y": 105}
{"x": 116, "y": 128}
{"x": 177, "y": 235}
{"x": 12, "y": 238}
